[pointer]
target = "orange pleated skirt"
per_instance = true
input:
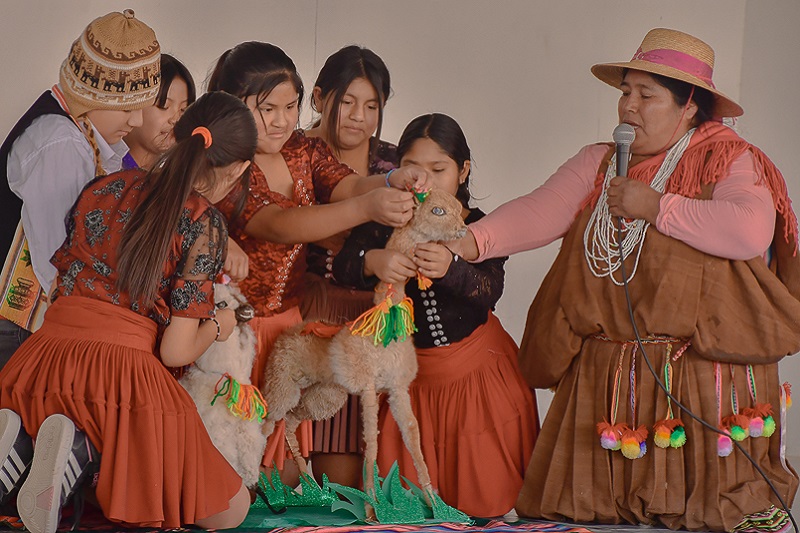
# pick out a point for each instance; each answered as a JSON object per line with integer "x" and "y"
{"x": 325, "y": 301}
{"x": 267, "y": 330}
{"x": 93, "y": 362}
{"x": 477, "y": 420}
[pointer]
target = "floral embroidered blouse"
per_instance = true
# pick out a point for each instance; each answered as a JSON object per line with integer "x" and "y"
{"x": 275, "y": 282}
{"x": 87, "y": 261}
{"x": 320, "y": 259}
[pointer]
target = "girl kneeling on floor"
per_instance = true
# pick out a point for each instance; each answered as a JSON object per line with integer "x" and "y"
{"x": 134, "y": 295}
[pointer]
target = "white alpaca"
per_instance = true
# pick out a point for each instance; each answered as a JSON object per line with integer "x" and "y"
{"x": 309, "y": 377}
{"x": 240, "y": 441}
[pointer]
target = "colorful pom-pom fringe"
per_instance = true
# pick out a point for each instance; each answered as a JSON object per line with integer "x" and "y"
{"x": 669, "y": 432}
{"x": 610, "y": 435}
{"x": 761, "y": 422}
{"x": 724, "y": 446}
{"x": 737, "y": 426}
{"x": 769, "y": 427}
{"x": 756, "y": 426}
{"x": 633, "y": 442}
{"x": 678, "y": 437}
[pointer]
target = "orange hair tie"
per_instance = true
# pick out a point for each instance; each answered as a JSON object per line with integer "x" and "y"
{"x": 205, "y": 134}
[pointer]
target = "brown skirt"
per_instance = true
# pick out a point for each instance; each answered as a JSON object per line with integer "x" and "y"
{"x": 337, "y": 305}
{"x": 477, "y": 418}
{"x": 267, "y": 330}
{"x": 572, "y": 477}
{"x": 93, "y": 362}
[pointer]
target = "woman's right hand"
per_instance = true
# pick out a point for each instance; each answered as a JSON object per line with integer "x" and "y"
{"x": 389, "y": 266}
{"x": 466, "y": 246}
{"x": 388, "y": 206}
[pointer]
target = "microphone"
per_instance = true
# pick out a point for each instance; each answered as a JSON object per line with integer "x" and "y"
{"x": 623, "y": 135}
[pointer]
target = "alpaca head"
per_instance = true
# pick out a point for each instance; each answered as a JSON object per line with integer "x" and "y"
{"x": 227, "y": 296}
{"x": 234, "y": 355}
{"x": 437, "y": 218}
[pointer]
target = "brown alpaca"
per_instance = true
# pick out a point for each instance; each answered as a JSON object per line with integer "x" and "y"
{"x": 325, "y": 370}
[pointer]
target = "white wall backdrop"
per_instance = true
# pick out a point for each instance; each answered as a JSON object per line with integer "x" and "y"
{"x": 514, "y": 73}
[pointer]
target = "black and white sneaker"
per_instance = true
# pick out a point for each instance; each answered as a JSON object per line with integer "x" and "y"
{"x": 63, "y": 458}
{"x": 16, "y": 453}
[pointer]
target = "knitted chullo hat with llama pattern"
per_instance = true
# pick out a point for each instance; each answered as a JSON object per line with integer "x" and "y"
{"x": 114, "y": 64}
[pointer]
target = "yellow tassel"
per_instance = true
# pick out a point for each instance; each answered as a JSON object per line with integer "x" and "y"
{"x": 386, "y": 322}
{"x": 423, "y": 282}
{"x": 371, "y": 322}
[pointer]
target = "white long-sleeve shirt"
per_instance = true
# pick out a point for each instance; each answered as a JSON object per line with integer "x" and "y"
{"x": 48, "y": 166}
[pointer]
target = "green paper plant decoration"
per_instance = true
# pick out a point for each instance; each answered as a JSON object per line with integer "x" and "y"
{"x": 280, "y": 496}
{"x": 394, "y": 504}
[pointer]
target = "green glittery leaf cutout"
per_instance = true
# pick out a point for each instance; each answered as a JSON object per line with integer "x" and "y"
{"x": 441, "y": 511}
{"x": 280, "y": 496}
{"x": 394, "y": 504}
{"x": 354, "y": 504}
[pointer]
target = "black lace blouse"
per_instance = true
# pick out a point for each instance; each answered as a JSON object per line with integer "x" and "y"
{"x": 451, "y": 308}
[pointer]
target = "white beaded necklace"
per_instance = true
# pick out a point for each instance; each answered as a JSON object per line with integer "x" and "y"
{"x": 600, "y": 239}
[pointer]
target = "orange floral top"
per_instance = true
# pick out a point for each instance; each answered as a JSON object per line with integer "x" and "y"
{"x": 87, "y": 261}
{"x": 275, "y": 283}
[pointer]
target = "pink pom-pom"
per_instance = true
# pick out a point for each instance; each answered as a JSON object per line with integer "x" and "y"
{"x": 724, "y": 446}
{"x": 609, "y": 440}
{"x": 756, "y": 426}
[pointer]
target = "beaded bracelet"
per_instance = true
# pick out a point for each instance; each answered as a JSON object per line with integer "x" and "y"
{"x": 387, "y": 177}
{"x": 213, "y": 319}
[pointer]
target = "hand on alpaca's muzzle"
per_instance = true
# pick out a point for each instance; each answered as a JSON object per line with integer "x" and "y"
{"x": 244, "y": 313}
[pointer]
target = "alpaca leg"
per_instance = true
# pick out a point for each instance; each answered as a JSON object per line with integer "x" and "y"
{"x": 281, "y": 396}
{"x": 292, "y": 423}
{"x": 320, "y": 401}
{"x": 400, "y": 405}
{"x": 369, "y": 413}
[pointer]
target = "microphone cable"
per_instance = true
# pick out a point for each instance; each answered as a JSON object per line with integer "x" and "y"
{"x": 673, "y": 398}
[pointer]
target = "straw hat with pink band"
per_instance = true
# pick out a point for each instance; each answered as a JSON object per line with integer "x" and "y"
{"x": 676, "y": 55}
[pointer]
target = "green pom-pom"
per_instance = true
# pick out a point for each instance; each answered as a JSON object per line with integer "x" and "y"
{"x": 738, "y": 433}
{"x": 769, "y": 427}
{"x": 678, "y": 437}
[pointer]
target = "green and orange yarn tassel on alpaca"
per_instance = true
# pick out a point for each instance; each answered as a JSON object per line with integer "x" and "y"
{"x": 244, "y": 401}
{"x": 386, "y": 322}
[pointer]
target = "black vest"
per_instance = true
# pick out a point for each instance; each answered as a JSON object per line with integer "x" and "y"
{"x": 10, "y": 203}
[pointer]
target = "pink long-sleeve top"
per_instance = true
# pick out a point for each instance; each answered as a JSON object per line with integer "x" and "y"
{"x": 736, "y": 223}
